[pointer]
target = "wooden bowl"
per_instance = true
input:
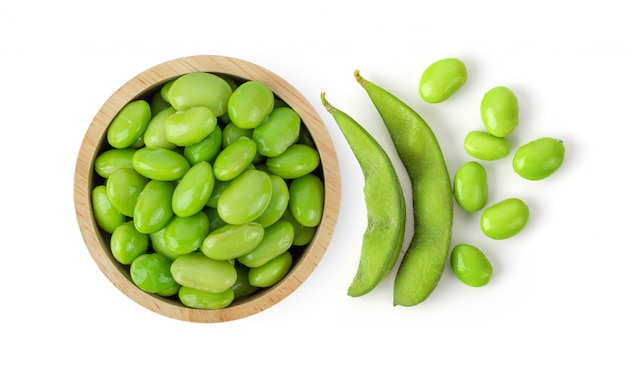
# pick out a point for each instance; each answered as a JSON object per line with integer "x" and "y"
{"x": 147, "y": 82}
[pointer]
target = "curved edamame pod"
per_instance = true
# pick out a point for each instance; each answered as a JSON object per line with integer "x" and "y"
{"x": 417, "y": 146}
{"x": 386, "y": 210}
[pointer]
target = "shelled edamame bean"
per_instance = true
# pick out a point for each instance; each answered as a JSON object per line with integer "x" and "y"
{"x": 178, "y": 189}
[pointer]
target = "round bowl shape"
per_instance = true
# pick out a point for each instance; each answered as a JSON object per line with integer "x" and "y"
{"x": 147, "y": 82}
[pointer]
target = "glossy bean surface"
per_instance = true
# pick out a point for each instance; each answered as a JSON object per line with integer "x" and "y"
{"x": 189, "y": 126}
{"x": 499, "y": 111}
{"x": 197, "y": 271}
{"x": 278, "y": 132}
{"x": 193, "y": 190}
{"x": 231, "y": 241}
{"x": 470, "y": 186}
{"x": 107, "y": 217}
{"x": 483, "y": 145}
{"x": 154, "y": 136}
{"x": 205, "y": 150}
{"x": 153, "y": 209}
{"x": 123, "y": 188}
{"x": 111, "y": 160}
{"x": 234, "y": 159}
{"x": 441, "y": 79}
{"x": 195, "y": 298}
{"x": 539, "y": 158}
{"x": 470, "y": 265}
{"x": 245, "y": 198}
{"x": 279, "y": 201}
{"x": 296, "y": 161}
{"x": 129, "y": 124}
{"x": 271, "y": 272}
{"x": 200, "y": 89}
{"x": 127, "y": 243}
{"x": 160, "y": 164}
{"x": 185, "y": 234}
{"x": 504, "y": 219}
{"x": 151, "y": 272}
{"x": 276, "y": 239}
{"x": 307, "y": 200}
{"x": 250, "y": 104}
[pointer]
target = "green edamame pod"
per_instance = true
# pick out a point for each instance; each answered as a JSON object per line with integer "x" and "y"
{"x": 386, "y": 210}
{"x": 417, "y": 146}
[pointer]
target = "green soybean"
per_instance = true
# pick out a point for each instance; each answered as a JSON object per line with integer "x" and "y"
{"x": 160, "y": 164}
{"x": 483, "y": 145}
{"x": 296, "y": 161}
{"x": 234, "y": 159}
{"x": 250, "y": 104}
{"x": 424, "y": 261}
{"x": 185, "y": 234}
{"x": 233, "y": 133}
{"x": 307, "y": 199}
{"x": 242, "y": 287}
{"x": 111, "y": 160}
{"x": 127, "y": 243}
{"x": 205, "y": 150}
{"x": 386, "y": 208}
{"x": 470, "y": 265}
{"x": 190, "y": 126}
{"x": 153, "y": 209}
{"x": 157, "y": 241}
{"x": 231, "y": 241}
{"x": 441, "y": 79}
{"x": 129, "y": 124}
{"x": 271, "y": 272}
{"x": 278, "y": 132}
{"x": 218, "y": 189}
{"x": 276, "y": 239}
{"x": 155, "y": 136}
{"x": 539, "y": 158}
{"x": 470, "y": 186}
{"x": 195, "y": 298}
{"x": 107, "y": 217}
{"x": 200, "y": 89}
{"x": 499, "y": 111}
{"x": 279, "y": 201}
{"x": 197, "y": 271}
{"x": 504, "y": 219}
{"x": 194, "y": 190}
{"x": 151, "y": 272}
{"x": 302, "y": 235}
{"x": 123, "y": 188}
{"x": 245, "y": 198}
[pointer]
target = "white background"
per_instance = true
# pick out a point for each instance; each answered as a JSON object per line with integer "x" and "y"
{"x": 556, "y": 296}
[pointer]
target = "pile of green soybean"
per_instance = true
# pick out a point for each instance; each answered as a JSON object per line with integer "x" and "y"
{"x": 433, "y": 191}
{"x": 207, "y": 189}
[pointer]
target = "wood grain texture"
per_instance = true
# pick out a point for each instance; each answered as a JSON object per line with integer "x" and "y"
{"x": 149, "y": 80}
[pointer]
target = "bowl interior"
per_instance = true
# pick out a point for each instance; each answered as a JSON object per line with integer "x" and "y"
{"x": 97, "y": 241}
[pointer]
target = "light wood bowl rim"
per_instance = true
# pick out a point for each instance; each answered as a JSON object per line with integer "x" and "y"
{"x": 147, "y": 81}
